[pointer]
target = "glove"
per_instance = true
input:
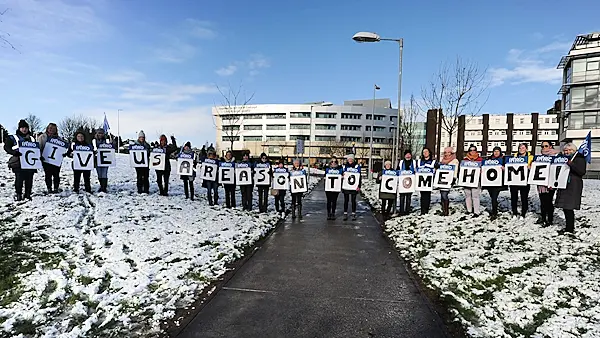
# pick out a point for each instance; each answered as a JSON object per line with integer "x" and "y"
{"x": 42, "y": 158}
{"x": 18, "y": 153}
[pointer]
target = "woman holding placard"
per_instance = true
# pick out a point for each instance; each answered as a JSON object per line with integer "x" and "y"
{"x": 387, "y": 199}
{"x": 515, "y": 191}
{"x": 229, "y": 188}
{"x": 143, "y": 173}
{"x": 405, "y": 199}
{"x": 351, "y": 166}
{"x": 569, "y": 199}
{"x": 51, "y": 172}
{"x": 263, "y": 190}
{"x": 332, "y": 196}
{"x": 188, "y": 181}
{"x": 545, "y": 193}
{"x": 472, "y": 200}
{"x": 426, "y": 161}
{"x": 297, "y": 197}
{"x": 22, "y": 176}
{"x": 162, "y": 176}
{"x": 80, "y": 141}
{"x": 448, "y": 158}
{"x": 102, "y": 172}
{"x": 247, "y": 189}
{"x": 280, "y": 193}
{"x": 495, "y": 191}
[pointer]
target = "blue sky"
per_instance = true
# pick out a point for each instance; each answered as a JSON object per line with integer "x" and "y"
{"x": 160, "y": 61}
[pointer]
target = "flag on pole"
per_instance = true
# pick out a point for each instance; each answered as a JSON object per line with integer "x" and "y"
{"x": 106, "y": 126}
{"x": 377, "y": 87}
{"x": 585, "y": 148}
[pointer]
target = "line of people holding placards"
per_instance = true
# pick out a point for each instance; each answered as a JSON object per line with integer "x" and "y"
{"x": 549, "y": 172}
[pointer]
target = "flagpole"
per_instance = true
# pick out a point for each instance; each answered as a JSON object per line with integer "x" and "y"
{"x": 119, "y": 130}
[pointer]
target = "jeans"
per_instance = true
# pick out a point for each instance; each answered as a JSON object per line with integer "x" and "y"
{"x": 86, "y": 180}
{"x": 102, "y": 172}
{"x": 247, "y": 196}
{"x": 331, "y": 201}
{"x": 162, "y": 179}
{"x": 547, "y": 206}
{"x": 212, "y": 191}
{"x": 24, "y": 177}
{"x": 444, "y": 195}
{"x": 472, "y": 200}
{"x": 494, "y": 193}
{"x": 514, "y": 199}
{"x": 188, "y": 187}
{"x": 404, "y": 204}
{"x": 51, "y": 175}
{"x": 347, "y": 198}
{"x": 280, "y": 201}
{"x": 569, "y": 220}
{"x": 425, "y": 202}
{"x": 263, "y": 197}
{"x": 229, "y": 195}
{"x": 297, "y": 199}
{"x": 143, "y": 180}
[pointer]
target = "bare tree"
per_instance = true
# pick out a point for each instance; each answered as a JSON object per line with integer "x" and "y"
{"x": 72, "y": 124}
{"x": 35, "y": 123}
{"x": 386, "y": 154}
{"x": 4, "y": 36}
{"x": 233, "y": 105}
{"x": 457, "y": 89}
{"x": 409, "y": 127}
{"x": 336, "y": 148}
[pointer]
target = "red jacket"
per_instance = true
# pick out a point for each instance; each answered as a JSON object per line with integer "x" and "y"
{"x": 479, "y": 159}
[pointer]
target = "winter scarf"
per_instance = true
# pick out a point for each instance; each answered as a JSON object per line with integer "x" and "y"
{"x": 548, "y": 152}
{"x": 470, "y": 157}
{"x": 448, "y": 158}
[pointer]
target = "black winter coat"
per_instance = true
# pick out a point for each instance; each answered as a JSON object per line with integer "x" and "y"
{"x": 11, "y": 142}
{"x": 570, "y": 198}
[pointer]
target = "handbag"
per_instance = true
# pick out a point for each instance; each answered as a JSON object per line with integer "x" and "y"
{"x": 274, "y": 192}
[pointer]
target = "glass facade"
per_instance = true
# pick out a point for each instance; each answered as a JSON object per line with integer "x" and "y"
{"x": 253, "y": 138}
{"x": 299, "y": 115}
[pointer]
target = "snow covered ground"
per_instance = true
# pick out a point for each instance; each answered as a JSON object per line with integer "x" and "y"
{"x": 115, "y": 264}
{"x": 507, "y": 278}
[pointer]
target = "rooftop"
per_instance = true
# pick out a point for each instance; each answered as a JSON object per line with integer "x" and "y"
{"x": 583, "y": 44}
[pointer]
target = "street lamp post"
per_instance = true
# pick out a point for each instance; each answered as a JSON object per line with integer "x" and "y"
{"x": 321, "y": 104}
{"x": 374, "y": 37}
{"x": 119, "y": 130}
{"x": 372, "y": 127}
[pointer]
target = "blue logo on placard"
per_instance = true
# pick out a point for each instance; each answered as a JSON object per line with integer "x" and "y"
{"x": 543, "y": 158}
{"x": 83, "y": 148}
{"x": 136, "y": 147}
{"x": 390, "y": 172}
{"x": 208, "y": 160}
{"x": 226, "y": 164}
{"x": 263, "y": 165}
{"x": 187, "y": 156}
{"x": 242, "y": 165}
{"x": 57, "y": 142}
{"x": 333, "y": 171}
{"x": 473, "y": 164}
{"x": 297, "y": 172}
{"x": 280, "y": 170}
{"x": 560, "y": 160}
{"x": 29, "y": 144}
{"x": 516, "y": 160}
{"x": 424, "y": 170}
{"x": 447, "y": 167}
{"x": 406, "y": 172}
{"x": 158, "y": 151}
{"x": 492, "y": 162}
{"x": 105, "y": 146}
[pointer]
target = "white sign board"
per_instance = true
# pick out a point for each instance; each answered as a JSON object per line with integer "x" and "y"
{"x": 469, "y": 174}
{"x": 444, "y": 176}
{"x": 54, "y": 151}
{"x": 351, "y": 179}
{"x": 262, "y": 175}
{"x": 407, "y": 182}
{"x": 226, "y": 173}
{"x": 30, "y": 155}
{"x": 105, "y": 156}
{"x": 540, "y": 171}
{"x": 424, "y": 179}
{"x": 158, "y": 159}
{"x": 243, "y": 174}
{"x": 281, "y": 179}
{"x": 298, "y": 182}
{"x": 559, "y": 173}
{"x": 83, "y": 158}
{"x": 333, "y": 180}
{"x": 138, "y": 156}
{"x": 515, "y": 171}
{"x": 491, "y": 173}
{"x": 185, "y": 166}
{"x": 389, "y": 182}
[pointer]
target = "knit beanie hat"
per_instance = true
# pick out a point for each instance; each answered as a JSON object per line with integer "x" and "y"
{"x": 23, "y": 124}
{"x": 497, "y": 148}
{"x": 407, "y": 151}
{"x": 388, "y": 162}
{"x": 188, "y": 144}
{"x": 141, "y": 134}
{"x": 351, "y": 156}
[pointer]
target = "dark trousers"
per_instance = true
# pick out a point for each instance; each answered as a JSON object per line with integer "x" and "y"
{"x": 51, "y": 175}
{"x": 247, "y": 196}
{"x": 86, "y": 180}
{"x": 188, "y": 187}
{"x": 24, "y": 177}
{"x": 494, "y": 193}
{"x": 143, "y": 180}
{"x": 263, "y": 197}
{"x": 212, "y": 192}
{"x": 229, "y": 195}
{"x": 547, "y": 206}
{"x": 347, "y": 198}
{"x": 386, "y": 206}
{"x": 297, "y": 199}
{"x": 162, "y": 179}
{"x": 404, "y": 204}
{"x": 425, "y": 202}
{"x": 332, "y": 198}
{"x": 569, "y": 220}
{"x": 514, "y": 199}
{"x": 280, "y": 201}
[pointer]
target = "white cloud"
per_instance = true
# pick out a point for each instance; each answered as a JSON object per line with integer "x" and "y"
{"x": 254, "y": 63}
{"x": 200, "y": 29}
{"x": 165, "y": 93}
{"x": 227, "y": 71}
{"x": 125, "y": 76}
{"x": 258, "y": 61}
{"x": 176, "y": 51}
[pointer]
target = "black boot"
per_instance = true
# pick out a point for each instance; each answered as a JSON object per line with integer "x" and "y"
{"x": 293, "y": 212}
{"x": 300, "y": 211}
{"x": 18, "y": 197}
{"x": 192, "y": 191}
{"x": 186, "y": 190}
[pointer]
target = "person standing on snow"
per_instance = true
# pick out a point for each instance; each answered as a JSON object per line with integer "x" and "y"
{"x": 143, "y": 174}
{"x": 297, "y": 197}
{"x": 212, "y": 187}
{"x": 350, "y": 195}
{"x": 387, "y": 199}
{"x": 246, "y": 190}
{"x": 495, "y": 191}
{"x": 229, "y": 188}
{"x": 100, "y": 138}
{"x": 547, "y": 193}
{"x": 51, "y": 172}
{"x": 522, "y": 190}
{"x": 472, "y": 200}
{"x": 22, "y": 176}
{"x": 405, "y": 199}
{"x": 426, "y": 161}
{"x": 188, "y": 181}
{"x": 448, "y": 158}
{"x": 280, "y": 197}
{"x": 162, "y": 176}
{"x": 569, "y": 199}
{"x": 263, "y": 190}
{"x": 80, "y": 141}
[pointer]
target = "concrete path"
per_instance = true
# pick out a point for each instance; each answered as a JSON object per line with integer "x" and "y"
{"x": 320, "y": 278}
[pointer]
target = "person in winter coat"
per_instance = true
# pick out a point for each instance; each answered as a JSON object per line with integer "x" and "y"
{"x": 51, "y": 172}
{"x": 263, "y": 190}
{"x": 472, "y": 195}
{"x": 297, "y": 197}
{"x": 162, "y": 176}
{"x": 387, "y": 199}
{"x": 188, "y": 181}
{"x": 280, "y": 197}
{"x": 143, "y": 174}
{"x": 246, "y": 190}
{"x": 350, "y": 195}
{"x": 569, "y": 199}
{"x": 426, "y": 161}
{"x": 522, "y": 190}
{"x": 495, "y": 191}
{"x": 100, "y": 138}
{"x": 448, "y": 158}
{"x": 212, "y": 187}
{"x": 332, "y": 196}
{"x": 80, "y": 141}
{"x": 22, "y": 176}
{"x": 546, "y": 194}
{"x": 405, "y": 199}
{"x": 229, "y": 188}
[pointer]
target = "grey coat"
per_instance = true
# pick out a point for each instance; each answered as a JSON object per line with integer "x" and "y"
{"x": 570, "y": 198}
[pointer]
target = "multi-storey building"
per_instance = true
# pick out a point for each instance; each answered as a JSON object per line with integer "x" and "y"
{"x": 580, "y": 94}
{"x": 327, "y": 130}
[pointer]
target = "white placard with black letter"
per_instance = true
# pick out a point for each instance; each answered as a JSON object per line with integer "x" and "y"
{"x": 515, "y": 171}
{"x": 424, "y": 179}
{"x": 444, "y": 175}
{"x": 30, "y": 155}
{"x": 243, "y": 174}
{"x": 491, "y": 173}
{"x": 226, "y": 173}
{"x": 540, "y": 170}
{"x": 158, "y": 159}
{"x": 407, "y": 182}
{"x": 54, "y": 151}
{"x": 469, "y": 173}
{"x": 298, "y": 182}
{"x": 281, "y": 179}
{"x": 138, "y": 156}
{"x": 351, "y": 179}
{"x": 185, "y": 166}
{"x": 105, "y": 156}
{"x": 559, "y": 172}
{"x": 83, "y": 158}
{"x": 262, "y": 174}
{"x": 333, "y": 180}
{"x": 389, "y": 182}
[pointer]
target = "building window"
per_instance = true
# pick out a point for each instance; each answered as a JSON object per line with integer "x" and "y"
{"x": 230, "y": 117}
{"x": 379, "y": 117}
{"x": 376, "y": 152}
{"x": 300, "y": 114}
{"x": 392, "y": 129}
{"x": 325, "y": 126}
{"x": 299, "y": 126}
{"x": 347, "y": 116}
{"x": 586, "y": 69}
{"x": 367, "y": 140}
{"x": 253, "y": 138}
{"x": 230, "y": 138}
{"x": 350, "y": 127}
{"x": 369, "y": 117}
{"x": 275, "y": 116}
{"x": 324, "y": 138}
{"x": 276, "y": 127}
{"x": 274, "y": 150}
{"x": 379, "y": 128}
{"x": 350, "y": 139}
{"x": 253, "y": 127}
{"x": 230, "y": 128}
{"x": 326, "y": 115}
{"x": 300, "y": 137}
{"x": 253, "y": 117}
{"x": 379, "y": 140}
{"x": 275, "y": 138}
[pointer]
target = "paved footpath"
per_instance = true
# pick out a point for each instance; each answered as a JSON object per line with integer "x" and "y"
{"x": 320, "y": 278}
